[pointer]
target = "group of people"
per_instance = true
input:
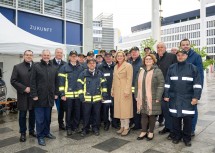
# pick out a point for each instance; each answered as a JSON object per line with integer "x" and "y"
{"x": 125, "y": 92}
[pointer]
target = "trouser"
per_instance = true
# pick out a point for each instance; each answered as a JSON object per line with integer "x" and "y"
{"x": 42, "y": 116}
{"x": 91, "y": 110}
{"x": 61, "y": 108}
{"x": 73, "y": 111}
{"x": 166, "y": 114}
{"x": 187, "y": 128}
{"x": 195, "y": 118}
{"x": 105, "y": 113}
{"x": 136, "y": 120}
{"x": 160, "y": 118}
{"x": 22, "y": 121}
{"x": 148, "y": 122}
{"x": 124, "y": 123}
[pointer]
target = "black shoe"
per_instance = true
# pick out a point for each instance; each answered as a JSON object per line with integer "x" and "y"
{"x": 188, "y": 144}
{"x": 62, "y": 127}
{"x": 33, "y": 134}
{"x": 170, "y": 136}
{"x": 193, "y": 134}
{"x": 41, "y": 141}
{"x": 161, "y": 124}
{"x": 175, "y": 141}
{"x": 50, "y": 136}
{"x": 96, "y": 133}
{"x": 84, "y": 133}
{"x": 141, "y": 138}
{"x": 149, "y": 139}
{"x": 22, "y": 137}
{"x": 115, "y": 126}
{"x": 106, "y": 127}
{"x": 69, "y": 132}
{"x": 76, "y": 131}
{"x": 165, "y": 130}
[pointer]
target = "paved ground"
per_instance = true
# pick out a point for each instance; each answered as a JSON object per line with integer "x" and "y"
{"x": 204, "y": 141}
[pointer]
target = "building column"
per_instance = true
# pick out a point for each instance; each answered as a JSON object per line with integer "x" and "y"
{"x": 203, "y": 24}
{"x": 155, "y": 24}
{"x": 87, "y": 25}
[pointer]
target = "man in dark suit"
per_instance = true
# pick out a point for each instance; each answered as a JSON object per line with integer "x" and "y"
{"x": 61, "y": 105}
{"x": 20, "y": 80}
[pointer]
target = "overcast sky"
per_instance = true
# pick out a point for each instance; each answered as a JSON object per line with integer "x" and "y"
{"x": 128, "y": 13}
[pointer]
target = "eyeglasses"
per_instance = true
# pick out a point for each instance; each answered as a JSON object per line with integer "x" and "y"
{"x": 148, "y": 59}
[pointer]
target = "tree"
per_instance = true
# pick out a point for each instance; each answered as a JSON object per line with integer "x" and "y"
{"x": 202, "y": 52}
{"x": 150, "y": 42}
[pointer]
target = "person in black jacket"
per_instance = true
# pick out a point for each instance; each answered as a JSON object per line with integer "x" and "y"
{"x": 60, "y": 105}
{"x": 67, "y": 77}
{"x": 164, "y": 60}
{"x": 20, "y": 80}
{"x": 92, "y": 91}
{"x": 43, "y": 84}
{"x": 107, "y": 68}
{"x": 136, "y": 62}
{"x": 182, "y": 90}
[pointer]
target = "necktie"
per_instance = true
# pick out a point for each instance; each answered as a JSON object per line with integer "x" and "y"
{"x": 58, "y": 62}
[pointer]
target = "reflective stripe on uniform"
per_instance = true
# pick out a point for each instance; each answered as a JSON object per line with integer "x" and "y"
{"x": 104, "y": 89}
{"x": 79, "y": 80}
{"x": 188, "y": 112}
{"x": 174, "y": 78}
{"x": 133, "y": 89}
{"x": 62, "y": 75}
{"x": 197, "y": 86}
{"x": 61, "y": 88}
{"x": 167, "y": 86}
{"x": 102, "y": 80}
{"x": 173, "y": 110}
{"x": 187, "y": 79}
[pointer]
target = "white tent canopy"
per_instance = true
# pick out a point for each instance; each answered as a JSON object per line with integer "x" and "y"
{"x": 14, "y": 40}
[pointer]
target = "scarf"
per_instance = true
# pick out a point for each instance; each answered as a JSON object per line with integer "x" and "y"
{"x": 148, "y": 86}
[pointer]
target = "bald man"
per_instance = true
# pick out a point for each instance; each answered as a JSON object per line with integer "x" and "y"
{"x": 164, "y": 60}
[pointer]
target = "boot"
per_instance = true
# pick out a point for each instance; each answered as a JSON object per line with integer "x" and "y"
{"x": 125, "y": 132}
{"x": 120, "y": 131}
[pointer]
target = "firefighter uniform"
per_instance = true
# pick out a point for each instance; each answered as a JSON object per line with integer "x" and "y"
{"x": 92, "y": 90}
{"x": 183, "y": 83}
{"x": 68, "y": 76}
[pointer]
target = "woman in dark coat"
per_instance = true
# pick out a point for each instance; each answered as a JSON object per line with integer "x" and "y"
{"x": 149, "y": 89}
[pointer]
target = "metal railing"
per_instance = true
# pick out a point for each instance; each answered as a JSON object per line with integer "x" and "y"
{"x": 8, "y": 2}
{"x": 74, "y": 15}
{"x": 35, "y": 6}
{"x": 54, "y": 10}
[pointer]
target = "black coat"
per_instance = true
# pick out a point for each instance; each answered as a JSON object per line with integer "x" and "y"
{"x": 165, "y": 61}
{"x": 55, "y": 64}
{"x": 108, "y": 74}
{"x": 44, "y": 84}
{"x": 20, "y": 80}
{"x": 136, "y": 67}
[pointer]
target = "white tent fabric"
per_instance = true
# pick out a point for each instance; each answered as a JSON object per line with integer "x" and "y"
{"x": 14, "y": 40}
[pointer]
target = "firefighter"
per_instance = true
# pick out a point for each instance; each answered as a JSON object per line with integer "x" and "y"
{"x": 92, "y": 91}
{"x": 68, "y": 76}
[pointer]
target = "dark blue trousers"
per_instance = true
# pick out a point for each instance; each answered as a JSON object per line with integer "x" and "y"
{"x": 61, "y": 108}
{"x": 166, "y": 115}
{"x": 195, "y": 118}
{"x": 136, "y": 120}
{"x": 22, "y": 121}
{"x": 184, "y": 133}
{"x": 91, "y": 110}
{"x": 73, "y": 112}
{"x": 42, "y": 115}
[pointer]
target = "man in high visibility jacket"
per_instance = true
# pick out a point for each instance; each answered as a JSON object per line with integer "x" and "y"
{"x": 92, "y": 90}
{"x": 68, "y": 76}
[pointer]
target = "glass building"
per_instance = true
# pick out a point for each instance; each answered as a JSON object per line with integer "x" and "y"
{"x": 61, "y": 21}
